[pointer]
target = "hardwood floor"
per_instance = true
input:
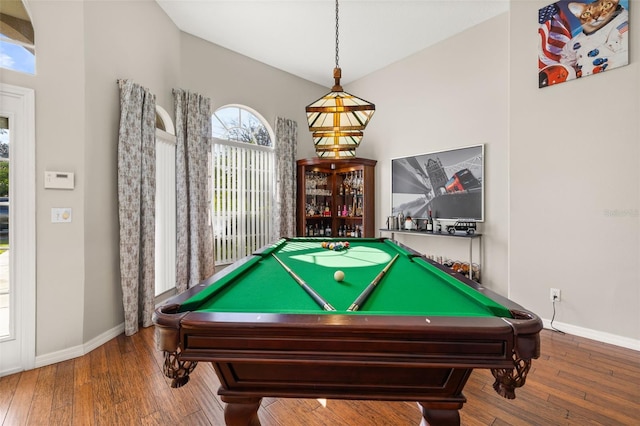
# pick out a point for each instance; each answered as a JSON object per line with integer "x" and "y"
{"x": 576, "y": 381}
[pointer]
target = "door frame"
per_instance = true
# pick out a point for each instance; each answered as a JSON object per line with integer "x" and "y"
{"x": 22, "y": 180}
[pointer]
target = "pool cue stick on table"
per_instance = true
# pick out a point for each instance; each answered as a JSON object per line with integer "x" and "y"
{"x": 367, "y": 291}
{"x": 311, "y": 292}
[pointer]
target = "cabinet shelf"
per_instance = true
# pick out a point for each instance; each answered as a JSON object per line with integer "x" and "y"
{"x": 469, "y": 237}
{"x": 347, "y": 185}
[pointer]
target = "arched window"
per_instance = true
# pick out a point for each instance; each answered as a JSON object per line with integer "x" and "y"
{"x": 241, "y": 124}
{"x": 17, "y": 38}
{"x": 242, "y": 181}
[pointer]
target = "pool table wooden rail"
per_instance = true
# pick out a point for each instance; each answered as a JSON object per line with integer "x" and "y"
{"x": 347, "y": 356}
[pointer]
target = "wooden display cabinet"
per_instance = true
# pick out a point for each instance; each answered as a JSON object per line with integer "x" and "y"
{"x": 336, "y": 198}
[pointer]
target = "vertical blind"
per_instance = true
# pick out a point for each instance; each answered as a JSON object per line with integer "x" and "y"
{"x": 243, "y": 181}
{"x": 165, "y": 259}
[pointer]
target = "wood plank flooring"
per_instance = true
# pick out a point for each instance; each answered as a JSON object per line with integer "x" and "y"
{"x": 576, "y": 381}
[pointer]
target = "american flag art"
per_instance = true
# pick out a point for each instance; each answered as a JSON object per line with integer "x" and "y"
{"x": 555, "y": 32}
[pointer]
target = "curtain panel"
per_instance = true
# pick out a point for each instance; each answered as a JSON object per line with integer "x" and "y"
{"x": 136, "y": 203}
{"x": 286, "y": 141}
{"x": 194, "y": 239}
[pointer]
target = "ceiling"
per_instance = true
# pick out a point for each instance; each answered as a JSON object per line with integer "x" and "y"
{"x": 298, "y": 36}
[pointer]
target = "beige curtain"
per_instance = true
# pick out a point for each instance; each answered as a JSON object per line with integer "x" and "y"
{"x": 194, "y": 239}
{"x": 136, "y": 203}
{"x": 286, "y": 141}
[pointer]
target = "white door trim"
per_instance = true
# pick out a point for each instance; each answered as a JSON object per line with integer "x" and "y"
{"x": 22, "y": 233}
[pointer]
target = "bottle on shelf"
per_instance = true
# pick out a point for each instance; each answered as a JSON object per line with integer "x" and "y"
{"x": 340, "y": 187}
{"x": 327, "y": 230}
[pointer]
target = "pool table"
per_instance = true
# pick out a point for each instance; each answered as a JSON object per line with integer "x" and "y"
{"x": 416, "y": 336}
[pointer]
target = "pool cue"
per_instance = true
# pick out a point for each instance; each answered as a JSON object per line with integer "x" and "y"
{"x": 311, "y": 292}
{"x": 367, "y": 291}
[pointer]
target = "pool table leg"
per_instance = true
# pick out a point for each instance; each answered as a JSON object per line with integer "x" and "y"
{"x": 241, "y": 411}
{"x": 441, "y": 414}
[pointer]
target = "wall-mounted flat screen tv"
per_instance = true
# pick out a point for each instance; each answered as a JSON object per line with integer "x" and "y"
{"x": 449, "y": 184}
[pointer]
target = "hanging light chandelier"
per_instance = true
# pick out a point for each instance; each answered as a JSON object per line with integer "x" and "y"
{"x": 337, "y": 120}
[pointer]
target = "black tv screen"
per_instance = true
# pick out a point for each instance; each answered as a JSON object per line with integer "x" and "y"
{"x": 449, "y": 184}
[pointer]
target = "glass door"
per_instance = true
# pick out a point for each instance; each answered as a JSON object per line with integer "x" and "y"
{"x": 6, "y": 317}
{"x": 17, "y": 229}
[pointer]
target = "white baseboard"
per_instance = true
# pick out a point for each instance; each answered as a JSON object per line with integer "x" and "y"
{"x": 79, "y": 350}
{"x": 600, "y": 336}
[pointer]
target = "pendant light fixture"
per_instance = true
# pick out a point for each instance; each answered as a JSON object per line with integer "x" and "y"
{"x": 337, "y": 120}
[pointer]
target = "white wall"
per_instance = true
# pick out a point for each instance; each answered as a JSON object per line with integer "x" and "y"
{"x": 60, "y": 146}
{"x": 575, "y": 185}
{"x": 229, "y": 78}
{"x": 144, "y": 46}
{"x": 562, "y": 167}
{"x": 451, "y": 95}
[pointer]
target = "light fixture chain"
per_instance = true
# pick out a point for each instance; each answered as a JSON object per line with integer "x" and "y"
{"x": 337, "y": 33}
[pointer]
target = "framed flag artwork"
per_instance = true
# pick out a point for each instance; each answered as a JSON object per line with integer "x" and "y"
{"x": 581, "y": 38}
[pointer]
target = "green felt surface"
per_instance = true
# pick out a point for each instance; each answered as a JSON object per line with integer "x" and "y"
{"x": 412, "y": 286}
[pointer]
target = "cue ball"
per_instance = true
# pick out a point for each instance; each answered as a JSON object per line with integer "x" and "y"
{"x": 338, "y": 276}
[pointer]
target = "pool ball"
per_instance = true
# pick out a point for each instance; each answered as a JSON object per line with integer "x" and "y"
{"x": 338, "y": 276}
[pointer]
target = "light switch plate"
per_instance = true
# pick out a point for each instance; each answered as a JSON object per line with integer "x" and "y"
{"x": 60, "y": 215}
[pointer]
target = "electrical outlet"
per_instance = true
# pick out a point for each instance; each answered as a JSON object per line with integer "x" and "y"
{"x": 554, "y": 295}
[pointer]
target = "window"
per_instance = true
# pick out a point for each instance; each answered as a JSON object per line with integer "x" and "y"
{"x": 238, "y": 123}
{"x": 243, "y": 182}
{"x": 165, "y": 259}
{"x": 17, "y": 40}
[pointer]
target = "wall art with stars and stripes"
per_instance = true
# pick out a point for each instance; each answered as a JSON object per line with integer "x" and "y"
{"x": 581, "y": 38}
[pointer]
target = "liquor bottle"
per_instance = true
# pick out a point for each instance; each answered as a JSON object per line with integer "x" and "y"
{"x": 315, "y": 231}
{"x": 344, "y": 210}
{"x": 430, "y": 223}
{"x": 327, "y": 231}
{"x": 321, "y": 230}
{"x": 359, "y": 209}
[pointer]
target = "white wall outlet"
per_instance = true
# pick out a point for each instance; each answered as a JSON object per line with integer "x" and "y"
{"x": 554, "y": 295}
{"x": 61, "y": 215}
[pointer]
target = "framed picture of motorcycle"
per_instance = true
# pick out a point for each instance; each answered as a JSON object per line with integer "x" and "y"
{"x": 446, "y": 184}
{"x": 579, "y": 38}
